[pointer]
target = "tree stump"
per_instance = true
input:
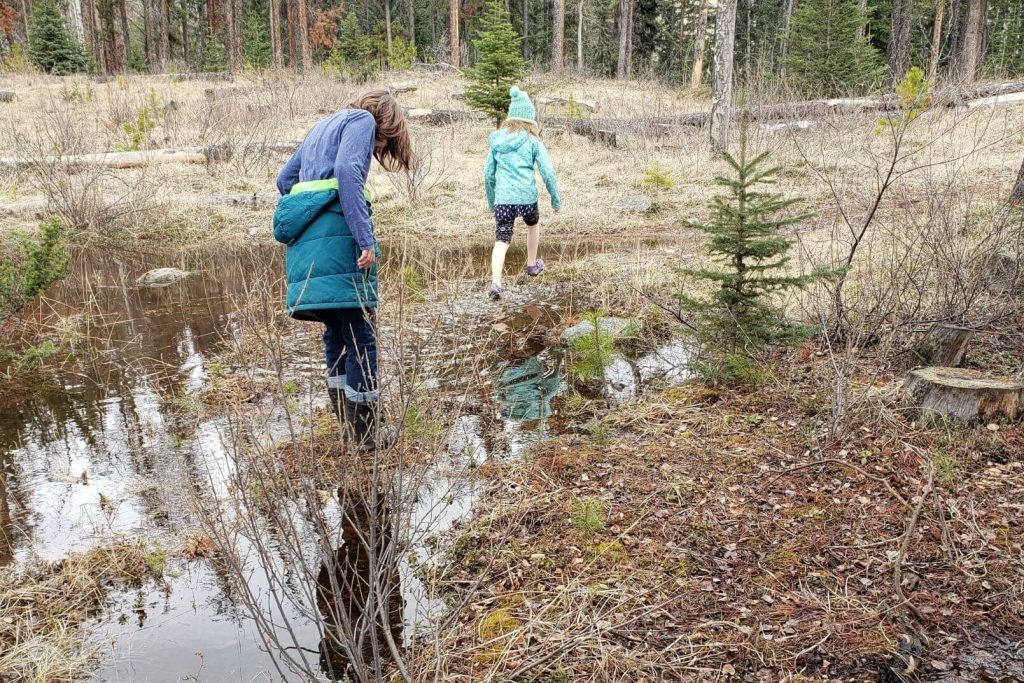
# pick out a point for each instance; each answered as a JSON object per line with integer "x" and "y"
{"x": 944, "y": 345}
{"x": 7, "y": 96}
{"x": 607, "y": 138}
{"x": 966, "y": 395}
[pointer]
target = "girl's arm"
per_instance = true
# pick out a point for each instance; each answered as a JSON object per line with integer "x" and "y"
{"x": 289, "y": 175}
{"x": 352, "y": 165}
{"x": 547, "y": 173}
{"x": 490, "y": 168}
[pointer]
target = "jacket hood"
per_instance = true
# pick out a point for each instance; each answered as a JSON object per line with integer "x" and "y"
{"x": 504, "y": 141}
{"x": 296, "y": 212}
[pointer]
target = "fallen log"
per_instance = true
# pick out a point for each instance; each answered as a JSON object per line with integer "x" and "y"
{"x": 183, "y": 155}
{"x": 996, "y": 100}
{"x": 251, "y": 200}
{"x": 442, "y": 117}
{"x": 400, "y": 88}
{"x": 589, "y": 105}
{"x": 965, "y": 395}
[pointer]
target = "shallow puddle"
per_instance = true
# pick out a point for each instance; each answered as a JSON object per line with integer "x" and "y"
{"x": 110, "y": 442}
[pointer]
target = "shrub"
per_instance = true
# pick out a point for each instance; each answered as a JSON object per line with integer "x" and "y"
{"x": 50, "y": 45}
{"x": 499, "y": 66}
{"x": 35, "y": 264}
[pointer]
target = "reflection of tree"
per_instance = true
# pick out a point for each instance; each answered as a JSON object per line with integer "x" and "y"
{"x": 6, "y": 527}
{"x": 526, "y": 391}
{"x": 358, "y": 592}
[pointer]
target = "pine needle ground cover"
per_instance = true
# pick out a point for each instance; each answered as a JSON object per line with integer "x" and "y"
{"x": 733, "y": 540}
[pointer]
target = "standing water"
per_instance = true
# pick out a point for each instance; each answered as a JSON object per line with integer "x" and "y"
{"x": 109, "y": 441}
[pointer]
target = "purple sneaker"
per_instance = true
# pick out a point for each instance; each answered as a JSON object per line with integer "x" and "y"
{"x": 536, "y": 268}
{"x": 496, "y": 292}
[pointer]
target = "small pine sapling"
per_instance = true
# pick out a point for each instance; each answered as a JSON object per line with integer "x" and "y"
{"x": 739, "y": 317}
{"x": 499, "y": 66}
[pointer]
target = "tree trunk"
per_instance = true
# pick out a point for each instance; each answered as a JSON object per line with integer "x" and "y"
{"x": 147, "y": 33}
{"x": 629, "y": 39}
{"x": 307, "y": 49}
{"x": 625, "y": 9}
{"x": 126, "y": 35}
{"x": 558, "y": 37}
{"x": 972, "y": 50}
{"x": 164, "y": 53}
{"x": 721, "y": 85}
{"x": 698, "y": 46}
{"x": 936, "y": 51}
{"x": 579, "y": 36}
{"x": 526, "y": 29}
{"x": 453, "y": 32}
{"x": 89, "y": 30}
{"x": 1017, "y": 195}
{"x": 229, "y": 33}
{"x": 25, "y": 13}
{"x": 293, "y": 57}
{"x": 412, "y": 22}
{"x": 275, "y": 32}
{"x": 387, "y": 26}
{"x": 898, "y": 52}
{"x": 862, "y": 29}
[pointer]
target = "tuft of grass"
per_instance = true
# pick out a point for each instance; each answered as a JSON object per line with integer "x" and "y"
{"x": 946, "y": 467}
{"x": 598, "y": 431}
{"x": 156, "y": 560}
{"x": 588, "y": 516}
{"x": 610, "y": 550}
{"x": 290, "y": 388}
{"x": 497, "y": 624}
{"x": 413, "y": 285}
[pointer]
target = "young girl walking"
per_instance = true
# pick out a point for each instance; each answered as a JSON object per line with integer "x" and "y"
{"x": 511, "y": 185}
{"x": 323, "y": 217}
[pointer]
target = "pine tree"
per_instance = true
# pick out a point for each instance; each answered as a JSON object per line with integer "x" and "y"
{"x": 50, "y": 45}
{"x": 745, "y": 229}
{"x": 499, "y": 63}
{"x": 215, "y": 59}
{"x": 256, "y": 41}
{"x": 826, "y": 52}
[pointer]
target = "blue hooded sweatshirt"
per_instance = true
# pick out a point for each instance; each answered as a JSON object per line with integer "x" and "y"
{"x": 509, "y": 176}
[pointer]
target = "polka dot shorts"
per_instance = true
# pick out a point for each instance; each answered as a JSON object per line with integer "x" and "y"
{"x": 505, "y": 216}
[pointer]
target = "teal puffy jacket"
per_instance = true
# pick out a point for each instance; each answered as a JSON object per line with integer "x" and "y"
{"x": 321, "y": 254}
{"x": 509, "y": 176}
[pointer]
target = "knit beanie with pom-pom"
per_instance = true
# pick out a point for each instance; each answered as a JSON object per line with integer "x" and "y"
{"x": 521, "y": 108}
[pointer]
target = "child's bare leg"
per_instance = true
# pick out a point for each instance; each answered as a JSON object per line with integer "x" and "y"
{"x": 498, "y": 261}
{"x": 532, "y": 243}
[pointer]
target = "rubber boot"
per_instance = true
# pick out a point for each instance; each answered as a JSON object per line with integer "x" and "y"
{"x": 363, "y": 427}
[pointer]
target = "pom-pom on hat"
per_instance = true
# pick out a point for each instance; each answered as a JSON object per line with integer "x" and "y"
{"x": 521, "y": 108}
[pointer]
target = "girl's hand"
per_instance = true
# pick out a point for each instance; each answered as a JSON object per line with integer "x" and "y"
{"x": 366, "y": 258}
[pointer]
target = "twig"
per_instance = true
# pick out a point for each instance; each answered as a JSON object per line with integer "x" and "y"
{"x": 835, "y": 461}
{"x": 897, "y": 569}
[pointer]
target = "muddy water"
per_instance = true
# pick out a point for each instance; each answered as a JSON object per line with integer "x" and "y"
{"x": 107, "y": 443}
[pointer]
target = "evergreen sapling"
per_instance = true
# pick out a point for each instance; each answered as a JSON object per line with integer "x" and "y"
{"x": 739, "y": 317}
{"x": 499, "y": 65}
{"x": 50, "y": 44}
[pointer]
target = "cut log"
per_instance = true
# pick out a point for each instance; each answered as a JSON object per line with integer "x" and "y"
{"x": 7, "y": 96}
{"x": 589, "y": 105}
{"x": 607, "y": 138}
{"x": 965, "y": 395}
{"x": 944, "y": 345}
{"x": 996, "y": 100}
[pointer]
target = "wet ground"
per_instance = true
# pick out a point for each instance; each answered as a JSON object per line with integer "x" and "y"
{"x": 107, "y": 441}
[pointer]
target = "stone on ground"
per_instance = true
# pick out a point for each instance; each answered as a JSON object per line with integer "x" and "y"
{"x": 161, "y": 277}
{"x": 610, "y": 326}
{"x": 634, "y": 204}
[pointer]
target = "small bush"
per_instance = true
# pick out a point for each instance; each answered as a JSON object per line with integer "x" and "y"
{"x": 658, "y": 178}
{"x": 36, "y": 263}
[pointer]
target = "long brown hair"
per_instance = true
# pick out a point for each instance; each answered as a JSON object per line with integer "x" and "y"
{"x": 392, "y": 129}
{"x": 515, "y": 125}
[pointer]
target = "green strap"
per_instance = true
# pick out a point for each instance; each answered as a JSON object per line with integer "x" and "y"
{"x": 321, "y": 185}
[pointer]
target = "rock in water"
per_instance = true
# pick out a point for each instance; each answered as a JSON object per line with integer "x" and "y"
{"x": 609, "y": 326}
{"x": 161, "y": 277}
{"x": 634, "y": 204}
{"x": 966, "y": 395}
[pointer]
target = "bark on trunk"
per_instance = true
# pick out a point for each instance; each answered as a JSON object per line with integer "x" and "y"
{"x": 412, "y": 22}
{"x": 147, "y": 33}
{"x": 579, "y": 36}
{"x": 453, "y": 32}
{"x": 126, "y": 34}
{"x": 558, "y": 37}
{"x": 899, "y": 39}
{"x": 307, "y": 50}
{"x": 275, "y": 32}
{"x": 721, "y": 89}
{"x": 293, "y": 59}
{"x": 229, "y": 34}
{"x": 862, "y": 30}
{"x": 697, "y": 75}
{"x": 387, "y": 25}
{"x": 1017, "y": 195}
{"x": 89, "y": 29}
{"x": 164, "y": 53}
{"x": 944, "y": 345}
{"x": 526, "y": 29}
{"x": 972, "y": 51}
{"x": 936, "y": 47}
{"x": 625, "y": 10}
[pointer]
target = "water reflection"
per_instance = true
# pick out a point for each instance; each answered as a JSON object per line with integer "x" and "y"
{"x": 359, "y": 591}
{"x": 526, "y": 391}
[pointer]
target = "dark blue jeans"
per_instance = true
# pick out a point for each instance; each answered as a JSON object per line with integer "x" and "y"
{"x": 350, "y": 349}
